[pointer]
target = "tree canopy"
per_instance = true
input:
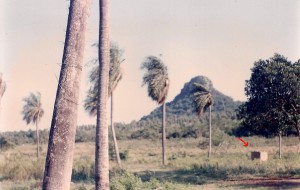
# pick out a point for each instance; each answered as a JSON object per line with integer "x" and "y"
{"x": 273, "y": 104}
{"x": 32, "y": 110}
{"x": 202, "y": 97}
{"x": 156, "y": 77}
{"x": 115, "y": 75}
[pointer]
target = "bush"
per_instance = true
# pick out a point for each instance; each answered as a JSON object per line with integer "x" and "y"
{"x": 5, "y": 144}
{"x": 122, "y": 180}
{"x": 83, "y": 169}
{"x": 124, "y": 155}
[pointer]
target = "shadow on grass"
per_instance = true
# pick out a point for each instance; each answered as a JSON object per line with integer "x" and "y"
{"x": 277, "y": 184}
{"x": 207, "y": 173}
{"x": 197, "y": 175}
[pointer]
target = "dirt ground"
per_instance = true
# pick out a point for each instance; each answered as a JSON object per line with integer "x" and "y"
{"x": 259, "y": 183}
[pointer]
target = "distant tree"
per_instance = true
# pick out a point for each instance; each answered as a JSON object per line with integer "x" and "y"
{"x": 157, "y": 79}
{"x": 59, "y": 160}
{"x": 203, "y": 100}
{"x": 2, "y": 88}
{"x": 115, "y": 75}
{"x": 32, "y": 113}
{"x": 291, "y": 109}
{"x": 272, "y": 107}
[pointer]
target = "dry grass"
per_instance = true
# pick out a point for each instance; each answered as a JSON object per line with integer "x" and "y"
{"x": 187, "y": 163}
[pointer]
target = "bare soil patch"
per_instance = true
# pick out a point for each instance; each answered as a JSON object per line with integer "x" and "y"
{"x": 266, "y": 183}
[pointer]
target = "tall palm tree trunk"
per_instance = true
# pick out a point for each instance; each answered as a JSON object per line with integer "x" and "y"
{"x": 113, "y": 131}
{"x": 279, "y": 144}
{"x": 37, "y": 139}
{"x": 102, "y": 156}
{"x": 209, "y": 150}
{"x": 58, "y": 166}
{"x": 164, "y": 133}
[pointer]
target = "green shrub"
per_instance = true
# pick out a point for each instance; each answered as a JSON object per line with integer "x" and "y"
{"x": 124, "y": 155}
{"x": 5, "y": 144}
{"x": 83, "y": 169}
{"x": 122, "y": 180}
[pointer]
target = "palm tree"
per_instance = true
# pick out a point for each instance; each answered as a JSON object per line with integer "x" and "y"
{"x": 101, "y": 152}
{"x": 157, "y": 79}
{"x": 2, "y": 88}
{"x": 203, "y": 100}
{"x": 115, "y": 75}
{"x": 32, "y": 113}
{"x": 59, "y": 161}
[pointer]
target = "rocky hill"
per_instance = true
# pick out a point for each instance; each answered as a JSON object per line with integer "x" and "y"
{"x": 183, "y": 106}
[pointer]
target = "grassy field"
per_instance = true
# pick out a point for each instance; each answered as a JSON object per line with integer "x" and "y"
{"x": 188, "y": 167}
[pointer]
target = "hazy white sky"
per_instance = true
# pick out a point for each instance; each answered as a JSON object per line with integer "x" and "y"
{"x": 217, "y": 38}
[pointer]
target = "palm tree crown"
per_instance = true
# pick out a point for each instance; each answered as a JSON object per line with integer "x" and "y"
{"x": 156, "y": 78}
{"x": 202, "y": 97}
{"x": 115, "y": 71}
{"x": 32, "y": 110}
{"x": 2, "y": 86}
{"x": 115, "y": 75}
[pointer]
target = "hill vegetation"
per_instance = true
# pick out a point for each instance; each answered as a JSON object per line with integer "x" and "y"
{"x": 183, "y": 105}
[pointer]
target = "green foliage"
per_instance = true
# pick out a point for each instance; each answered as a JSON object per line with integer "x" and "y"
{"x": 25, "y": 137}
{"x": 122, "y": 180}
{"x": 202, "y": 97}
{"x": 85, "y": 133}
{"x": 156, "y": 78}
{"x": 182, "y": 108}
{"x": 273, "y": 104}
{"x": 124, "y": 155}
{"x": 82, "y": 187}
{"x": 83, "y": 169}
{"x": 5, "y": 144}
{"x": 149, "y": 132}
{"x": 115, "y": 75}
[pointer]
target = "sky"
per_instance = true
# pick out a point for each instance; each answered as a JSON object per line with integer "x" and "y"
{"x": 220, "y": 39}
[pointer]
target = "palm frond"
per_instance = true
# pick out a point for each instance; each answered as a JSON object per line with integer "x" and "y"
{"x": 156, "y": 78}
{"x": 115, "y": 75}
{"x": 2, "y": 86}
{"x": 202, "y": 98}
{"x": 90, "y": 103}
{"x": 32, "y": 109}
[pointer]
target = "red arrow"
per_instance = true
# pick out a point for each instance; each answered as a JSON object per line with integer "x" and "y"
{"x": 245, "y": 142}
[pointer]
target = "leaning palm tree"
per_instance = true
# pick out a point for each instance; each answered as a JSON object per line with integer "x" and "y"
{"x": 59, "y": 160}
{"x": 32, "y": 113}
{"x": 2, "y": 88}
{"x": 156, "y": 77}
{"x": 115, "y": 75}
{"x": 203, "y": 100}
